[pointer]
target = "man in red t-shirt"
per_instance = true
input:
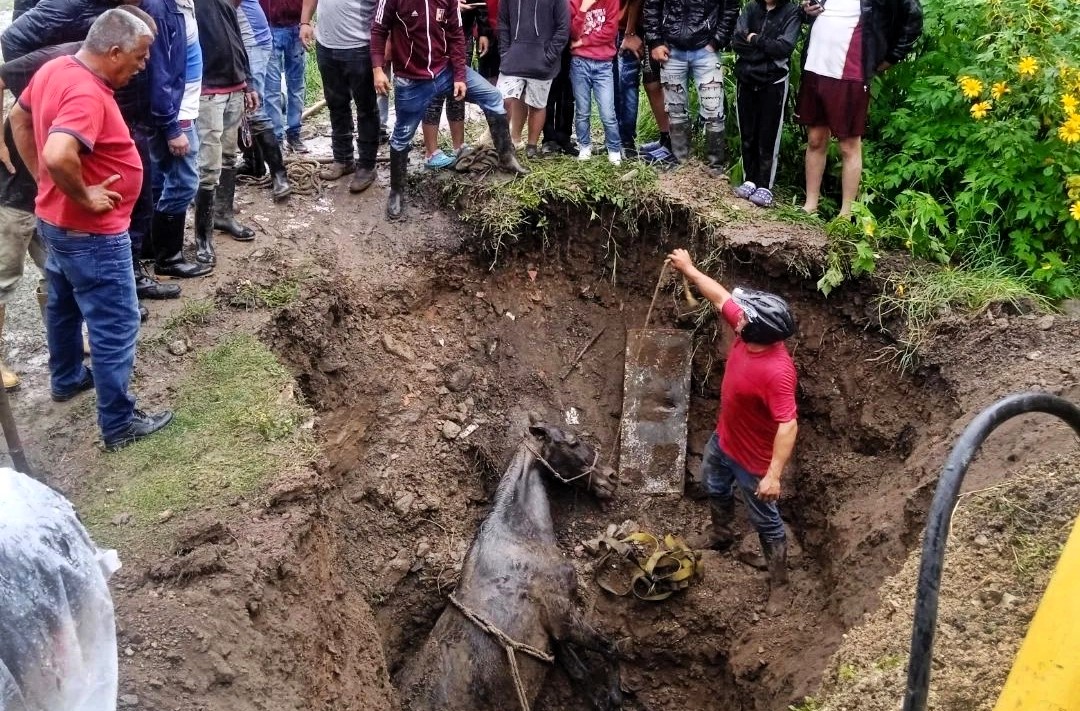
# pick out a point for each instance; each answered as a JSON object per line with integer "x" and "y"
{"x": 70, "y": 133}
{"x": 755, "y": 432}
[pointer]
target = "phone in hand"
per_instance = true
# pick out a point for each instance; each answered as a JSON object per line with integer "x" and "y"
{"x": 816, "y": 3}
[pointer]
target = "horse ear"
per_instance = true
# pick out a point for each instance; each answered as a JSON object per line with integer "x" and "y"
{"x": 540, "y": 431}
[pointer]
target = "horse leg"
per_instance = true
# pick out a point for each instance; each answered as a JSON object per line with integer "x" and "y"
{"x": 570, "y": 631}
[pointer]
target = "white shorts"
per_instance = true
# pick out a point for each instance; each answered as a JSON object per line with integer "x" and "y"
{"x": 535, "y": 91}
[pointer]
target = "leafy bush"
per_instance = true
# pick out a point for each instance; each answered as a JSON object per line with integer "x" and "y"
{"x": 976, "y": 143}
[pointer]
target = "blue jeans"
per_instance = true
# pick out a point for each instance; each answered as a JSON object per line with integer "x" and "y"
{"x": 176, "y": 178}
{"x": 592, "y": 77}
{"x": 259, "y": 58}
{"x": 721, "y": 473}
{"x": 412, "y": 96}
{"x": 90, "y": 276}
{"x": 287, "y": 58}
{"x": 708, "y": 76}
{"x": 626, "y": 69}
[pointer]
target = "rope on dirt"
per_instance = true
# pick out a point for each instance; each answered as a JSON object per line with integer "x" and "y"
{"x": 303, "y": 176}
{"x": 510, "y": 645}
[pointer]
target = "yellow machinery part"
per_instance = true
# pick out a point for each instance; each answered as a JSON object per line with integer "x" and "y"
{"x": 1046, "y": 673}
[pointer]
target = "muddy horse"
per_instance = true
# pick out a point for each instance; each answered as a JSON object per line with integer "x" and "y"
{"x": 511, "y": 616}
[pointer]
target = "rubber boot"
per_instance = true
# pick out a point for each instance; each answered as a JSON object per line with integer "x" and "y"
{"x": 680, "y": 141}
{"x": 252, "y": 163}
{"x": 715, "y": 149}
{"x": 504, "y": 146}
{"x": 225, "y": 211}
{"x": 204, "y": 226}
{"x": 271, "y": 153}
{"x": 779, "y": 590}
{"x": 168, "y": 240}
{"x": 10, "y": 379}
{"x": 399, "y": 168}
{"x": 718, "y": 536}
{"x": 147, "y": 287}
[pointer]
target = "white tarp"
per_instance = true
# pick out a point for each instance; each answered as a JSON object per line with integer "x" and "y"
{"x": 57, "y": 632}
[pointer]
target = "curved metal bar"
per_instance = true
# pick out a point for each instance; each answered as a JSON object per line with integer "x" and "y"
{"x": 940, "y": 517}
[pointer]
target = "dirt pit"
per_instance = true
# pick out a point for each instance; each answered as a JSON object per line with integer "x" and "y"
{"x": 400, "y": 374}
{"x": 313, "y": 592}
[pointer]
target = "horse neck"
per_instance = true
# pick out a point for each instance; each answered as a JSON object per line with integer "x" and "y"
{"x": 521, "y": 501}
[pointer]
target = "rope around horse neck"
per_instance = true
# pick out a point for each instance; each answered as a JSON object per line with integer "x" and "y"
{"x": 510, "y": 645}
{"x": 557, "y": 474}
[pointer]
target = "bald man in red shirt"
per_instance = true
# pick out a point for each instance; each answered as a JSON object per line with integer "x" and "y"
{"x": 757, "y": 424}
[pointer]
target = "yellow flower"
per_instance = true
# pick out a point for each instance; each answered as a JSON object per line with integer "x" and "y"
{"x": 1074, "y": 211}
{"x": 979, "y": 110}
{"x": 970, "y": 87}
{"x": 1069, "y": 132}
{"x": 999, "y": 90}
{"x": 1027, "y": 66}
{"x": 1069, "y": 103}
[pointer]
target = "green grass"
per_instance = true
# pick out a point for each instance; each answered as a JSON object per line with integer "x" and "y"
{"x": 926, "y": 295}
{"x": 313, "y": 90}
{"x": 506, "y": 210}
{"x": 809, "y": 703}
{"x": 194, "y": 313}
{"x": 275, "y": 295}
{"x": 237, "y": 423}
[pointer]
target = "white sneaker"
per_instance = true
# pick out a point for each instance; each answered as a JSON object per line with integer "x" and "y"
{"x": 614, "y": 157}
{"x": 584, "y": 153}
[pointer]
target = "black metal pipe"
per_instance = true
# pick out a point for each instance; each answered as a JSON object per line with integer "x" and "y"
{"x": 940, "y": 517}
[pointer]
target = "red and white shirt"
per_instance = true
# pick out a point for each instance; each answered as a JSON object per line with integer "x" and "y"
{"x": 835, "y": 46}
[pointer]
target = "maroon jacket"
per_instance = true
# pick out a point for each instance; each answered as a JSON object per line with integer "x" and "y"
{"x": 427, "y": 38}
{"x": 282, "y": 13}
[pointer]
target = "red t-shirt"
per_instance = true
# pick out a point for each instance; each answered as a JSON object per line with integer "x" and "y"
{"x": 757, "y": 394}
{"x": 66, "y": 97}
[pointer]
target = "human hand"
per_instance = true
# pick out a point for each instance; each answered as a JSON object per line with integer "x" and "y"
{"x": 482, "y": 46}
{"x": 680, "y": 260}
{"x": 710, "y": 48}
{"x": 883, "y": 67}
{"x": 99, "y": 198}
{"x": 251, "y": 100}
{"x": 576, "y": 43}
{"x": 307, "y": 35}
{"x": 660, "y": 54}
{"x": 768, "y": 489}
{"x": 459, "y": 91}
{"x": 632, "y": 43}
{"x": 382, "y": 82}
{"x": 5, "y": 157}
{"x": 812, "y": 8}
{"x": 179, "y": 146}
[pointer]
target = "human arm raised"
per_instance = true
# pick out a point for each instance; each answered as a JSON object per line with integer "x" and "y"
{"x": 710, "y": 288}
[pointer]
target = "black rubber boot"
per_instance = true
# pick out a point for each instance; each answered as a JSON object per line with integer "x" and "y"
{"x": 718, "y": 536}
{"x": 225, "y": 211}
{"x": 147, "y": 287}
{"x": 779, "y": 590}
{"x": 680, "y": 141}
{"x": 252, "y": 162}
{"x": 271, "y": 152}
{"x": 399, "y": 168}
{"x": 715, "y": 149}
{"x": 204, "y": 226}
{"x": 504, "y": 146}
{"x": 169, "y": 259}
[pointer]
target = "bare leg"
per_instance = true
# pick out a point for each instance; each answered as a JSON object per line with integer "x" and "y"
{"x": 851, "y": 172}
{"x": 536, "y": 124}
{"x": 817, "y": 145}
{"x": 516, "y": 109}
{"x": 457, "y": 135}
{"x": 431, "y": 139}
{"x": 655, "y": 93}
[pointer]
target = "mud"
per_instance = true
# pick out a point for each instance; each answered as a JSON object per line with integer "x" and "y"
{"x": 423, "y": 364}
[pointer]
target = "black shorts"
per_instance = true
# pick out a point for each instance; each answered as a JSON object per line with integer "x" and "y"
{"x": 840, "y": 104}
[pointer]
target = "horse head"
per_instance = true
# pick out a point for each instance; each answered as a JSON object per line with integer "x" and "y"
{"x": 570, "y": 459}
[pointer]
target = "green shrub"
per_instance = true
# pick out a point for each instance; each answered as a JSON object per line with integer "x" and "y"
{"x": 976, "y": 143}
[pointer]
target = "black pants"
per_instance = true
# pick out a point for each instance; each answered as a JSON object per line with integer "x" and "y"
{"x": 142, "y": 214}
{"x": 760, "y": 109}
{"x": 348, "y": 79}
{"x": 559, "y": 121}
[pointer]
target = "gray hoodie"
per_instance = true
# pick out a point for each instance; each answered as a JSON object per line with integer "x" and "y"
{"x": 532, "y": 37}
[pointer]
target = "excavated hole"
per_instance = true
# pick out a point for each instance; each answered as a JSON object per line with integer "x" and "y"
{"x": 386, "y": 376}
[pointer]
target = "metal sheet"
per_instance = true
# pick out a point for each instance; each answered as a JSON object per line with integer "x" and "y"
{"x": 656, "y": 400}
